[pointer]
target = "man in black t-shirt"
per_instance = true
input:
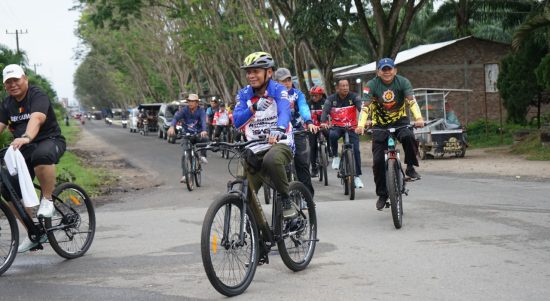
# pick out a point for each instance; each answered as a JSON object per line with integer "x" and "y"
{"x": 28, "y": 113}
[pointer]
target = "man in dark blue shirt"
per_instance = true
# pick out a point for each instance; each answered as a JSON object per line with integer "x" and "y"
{"x": 193, "y": 122}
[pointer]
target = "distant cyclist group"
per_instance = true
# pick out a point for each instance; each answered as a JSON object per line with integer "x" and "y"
{"x": 272, "y": 107}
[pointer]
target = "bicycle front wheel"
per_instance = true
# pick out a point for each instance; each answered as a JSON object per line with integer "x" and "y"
{"x": 323, "y": 163}
{"x": 187, "y": 167}
{"x": 71, "y": 229}
{"x": 229, "y": 262}
{"x": 394, "y": 180}
{"x": 299, "y": 236}
{"x": 350, "y": 173}
{"x": 198, "y": 170}
{"x": 9, "y": 237}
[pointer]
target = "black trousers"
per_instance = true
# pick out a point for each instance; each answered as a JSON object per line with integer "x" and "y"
{"x": 335, "y": 134}
{"x": 380, "y": 144}
{"x": 301, "y": 160}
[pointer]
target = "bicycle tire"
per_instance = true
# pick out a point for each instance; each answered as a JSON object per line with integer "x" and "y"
{"x": 75, "y": 217}
{"x": 297, "y": 246}
{"x": 394, "y": 181}
{"x": 9, "y": 237}
{"x": 215, "y": 255}
{"x": 198, "y": 171}
{"x": 187, "y": 167}
{"x": 323, "y": 163}
{"x": 350, "y": 161}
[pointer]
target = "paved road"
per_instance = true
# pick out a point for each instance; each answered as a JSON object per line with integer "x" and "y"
{"x": 464, "y": 238}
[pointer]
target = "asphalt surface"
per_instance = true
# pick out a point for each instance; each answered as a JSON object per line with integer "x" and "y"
{"x": 464, "y": 238}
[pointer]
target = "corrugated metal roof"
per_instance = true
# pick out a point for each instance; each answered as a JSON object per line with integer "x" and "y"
{"x": 401, "y": 57}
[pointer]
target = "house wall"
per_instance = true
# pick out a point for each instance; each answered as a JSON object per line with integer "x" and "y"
{"x": 460, "y": 66}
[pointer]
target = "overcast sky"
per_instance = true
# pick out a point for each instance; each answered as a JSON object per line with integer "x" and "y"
{"x": 50, "y": 42}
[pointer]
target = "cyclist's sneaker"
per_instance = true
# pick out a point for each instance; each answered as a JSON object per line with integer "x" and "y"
{"x": 182, "y": 180}
{"x": 314, "y": 172}
{"x": 289, "y": 211}
{"x": 203, "y": 160}
{"x": 410, "y": 172}
{"x": 336, "y": 163}
{"x": 381, "y": 203}
{"x": 27, "y": 244}
{"x": 358, "y": 183}
{"x": 46, "y": 208}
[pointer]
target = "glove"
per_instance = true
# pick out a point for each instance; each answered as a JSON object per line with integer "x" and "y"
{"x": 262, "y": 104}
{"x": 276, "y": 132}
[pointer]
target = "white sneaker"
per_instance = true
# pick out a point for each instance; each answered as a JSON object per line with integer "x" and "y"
{"x": 182, "y": 180}
{"x": 203, "y": 160}
{"x": 27, "y": 244}
{"x": 358, "y": 183}
{"x": 46, "y": 208}
{"x": 336, "y": 163}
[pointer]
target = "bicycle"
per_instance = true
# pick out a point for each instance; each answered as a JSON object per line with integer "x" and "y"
{"x": 322, "y": 158}
{"x": 70, "y": 230}
{"x": 346, "y": 169}
{"x": 395, "y": 176}
{"x": 191, "y": 162}
{"x": 236, "y": 236}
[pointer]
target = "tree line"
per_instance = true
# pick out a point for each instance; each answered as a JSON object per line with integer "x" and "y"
{"x": 155, "y": 50}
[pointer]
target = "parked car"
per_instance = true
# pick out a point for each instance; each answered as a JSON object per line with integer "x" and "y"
{"x": 166, "y": 114}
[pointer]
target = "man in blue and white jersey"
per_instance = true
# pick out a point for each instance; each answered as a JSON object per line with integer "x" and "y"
{"x": 263, "y": 110}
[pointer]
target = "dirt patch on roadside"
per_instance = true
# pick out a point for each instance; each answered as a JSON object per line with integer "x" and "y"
{"x": 125, "y": 176}
{"x": 496, "y": 161}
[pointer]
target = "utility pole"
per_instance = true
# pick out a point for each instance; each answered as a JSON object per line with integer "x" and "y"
{"x": 17, "y": 33}
{"x": 36, "y": 65}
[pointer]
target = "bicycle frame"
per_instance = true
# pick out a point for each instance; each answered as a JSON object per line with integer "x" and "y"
{"x": 35, "y": 230}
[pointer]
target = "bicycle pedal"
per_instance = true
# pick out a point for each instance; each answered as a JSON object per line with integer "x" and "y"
{"x": 406, "y": 192}
{"x": 37, "y": 248}
{"x": 387, "y": 204}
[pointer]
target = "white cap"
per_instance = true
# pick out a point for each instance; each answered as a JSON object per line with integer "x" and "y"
{"x": 12, "y": 71}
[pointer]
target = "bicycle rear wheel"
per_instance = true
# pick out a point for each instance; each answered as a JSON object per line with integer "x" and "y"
{"x": 350, "y": 174}
{"x": 299, "y": 236}
{"x": 187, "y": 167}
{"x": 394, "y": 180}
{"x": 229, "y": 263}
{"x": 9, "y": 237}
{"x": 71, "y": 229}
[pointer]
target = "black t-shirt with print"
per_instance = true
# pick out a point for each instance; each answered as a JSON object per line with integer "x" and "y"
{"x": 17, "y": 114}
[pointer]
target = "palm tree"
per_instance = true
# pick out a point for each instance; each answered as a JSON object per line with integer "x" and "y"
{"x": 538, "y": 23}
{"x": 484, "y": 18}
{"x": 8, "y": 56}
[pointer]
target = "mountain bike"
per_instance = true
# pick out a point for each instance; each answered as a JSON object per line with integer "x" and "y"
{"x": 322, "y": 158}
{"x": 236, "y": 235}
{"x": 191, "y": 162}
{"x": 395, "y": 175}
{"x": 70, "y": 230}
{"x": 346, "y": 170}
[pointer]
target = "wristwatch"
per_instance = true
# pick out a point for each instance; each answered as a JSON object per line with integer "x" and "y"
{"x": 27, "y": 136}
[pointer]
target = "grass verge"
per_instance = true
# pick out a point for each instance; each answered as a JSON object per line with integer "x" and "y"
{"x": 72, "y": 169}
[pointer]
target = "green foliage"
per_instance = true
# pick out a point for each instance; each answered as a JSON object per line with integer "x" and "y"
{"x": 482, "y": 134}
{"x": 517, "y": 82}
{"x": 532, "y": 149}
{"x": 71, "y": 168}
{"x": 543, "y": 72}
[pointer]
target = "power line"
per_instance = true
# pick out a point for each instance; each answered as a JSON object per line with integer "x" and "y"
{"x": 17, "y": 33}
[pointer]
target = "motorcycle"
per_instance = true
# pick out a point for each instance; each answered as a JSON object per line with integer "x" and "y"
{"x": 124, "y": 123}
